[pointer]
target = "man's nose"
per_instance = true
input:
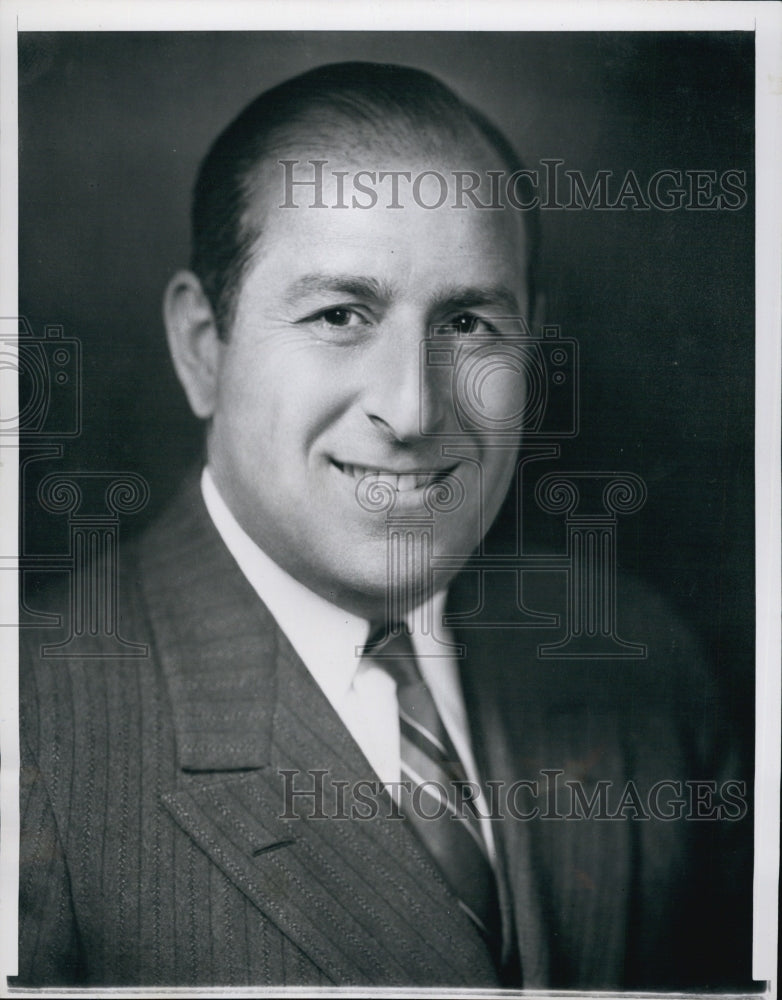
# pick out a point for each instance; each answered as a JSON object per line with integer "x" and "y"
{"x": 406, "y": 398}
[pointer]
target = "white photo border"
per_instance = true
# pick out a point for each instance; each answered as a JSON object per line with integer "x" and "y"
{"x": 765, "y": 19}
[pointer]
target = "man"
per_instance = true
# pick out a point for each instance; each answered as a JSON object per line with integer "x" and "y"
{"x": 296, "y": 786}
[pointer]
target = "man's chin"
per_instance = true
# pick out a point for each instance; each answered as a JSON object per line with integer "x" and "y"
{"x": 373, "y": 563}
{"x": 378, "y": 602}
{"x": 391, "y": 586}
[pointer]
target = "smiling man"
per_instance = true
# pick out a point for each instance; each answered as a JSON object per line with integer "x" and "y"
{"x": 318, "y": 384}
{"x": 306, "y": 780}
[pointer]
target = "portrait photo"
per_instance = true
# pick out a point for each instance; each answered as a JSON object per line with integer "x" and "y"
{"x": 390, "y": 559}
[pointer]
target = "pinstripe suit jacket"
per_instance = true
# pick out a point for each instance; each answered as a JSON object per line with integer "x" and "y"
{"x": 156, "y": 846}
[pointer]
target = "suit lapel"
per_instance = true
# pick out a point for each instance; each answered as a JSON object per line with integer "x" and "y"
{"x": 348, "y": 884}
{"x": 570, "y": 881}
{"x": 213, "y": 638}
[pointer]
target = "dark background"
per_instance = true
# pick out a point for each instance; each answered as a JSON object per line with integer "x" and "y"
{"x": 112, "y": 127}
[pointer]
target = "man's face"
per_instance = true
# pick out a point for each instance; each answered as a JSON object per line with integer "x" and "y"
{"x": 325, "y": 403}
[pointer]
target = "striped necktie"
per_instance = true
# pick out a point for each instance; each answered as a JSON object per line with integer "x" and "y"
{"x": 435, "y": 800}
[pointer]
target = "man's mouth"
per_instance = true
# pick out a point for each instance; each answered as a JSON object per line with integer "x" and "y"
{"x": 401, "y": 482}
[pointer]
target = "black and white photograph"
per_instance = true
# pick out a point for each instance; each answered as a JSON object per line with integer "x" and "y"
{"x": 390, "y": 412}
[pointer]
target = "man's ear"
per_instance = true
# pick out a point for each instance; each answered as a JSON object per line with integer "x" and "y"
{"x": 193, "y": 340}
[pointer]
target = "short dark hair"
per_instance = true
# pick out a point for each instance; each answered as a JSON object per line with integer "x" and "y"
{"x": 369, "y": 95}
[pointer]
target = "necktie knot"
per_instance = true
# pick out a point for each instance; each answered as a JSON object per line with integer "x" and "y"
{"x": 391, "y": 647}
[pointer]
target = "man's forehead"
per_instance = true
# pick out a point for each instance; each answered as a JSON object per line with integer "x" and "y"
{"x": 371, "y": 204}
{"x": 464, "y": 259}
{"x": 369, "y": 181}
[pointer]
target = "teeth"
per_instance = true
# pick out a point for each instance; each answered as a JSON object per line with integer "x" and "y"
{"x": 402, "y": 483}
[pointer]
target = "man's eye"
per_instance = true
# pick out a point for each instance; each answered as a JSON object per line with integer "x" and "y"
{"x": 340, "y": 317}
{"x": 467, "y": 323}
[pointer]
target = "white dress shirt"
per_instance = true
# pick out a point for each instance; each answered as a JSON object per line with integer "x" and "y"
{"x": 329, "y": 641}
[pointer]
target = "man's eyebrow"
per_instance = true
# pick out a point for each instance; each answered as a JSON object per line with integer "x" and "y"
{"x": 358, "y": 286}
{"x": 475, "y": 296}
